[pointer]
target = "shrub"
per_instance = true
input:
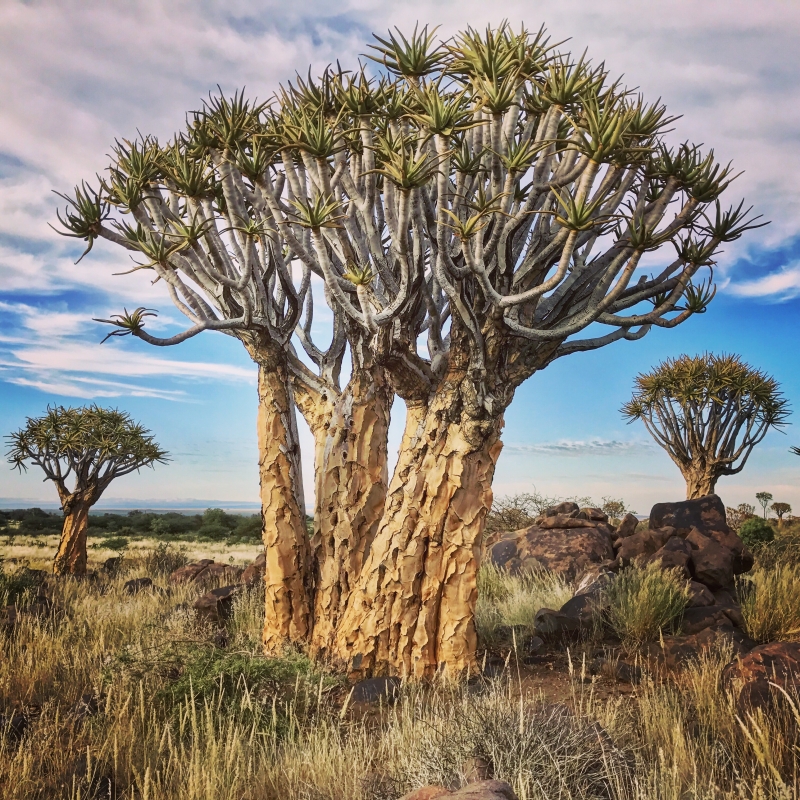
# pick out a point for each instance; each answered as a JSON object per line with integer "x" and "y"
{"x": 164, "y": 559}
{"x": 770, "y": 601}
{"x": 644, "y": 601}
{"x": 118, "y": 543}
{"x": 783, "y": 549}
{"x": 17, "y": 587}
{"x": 756, "y": 531}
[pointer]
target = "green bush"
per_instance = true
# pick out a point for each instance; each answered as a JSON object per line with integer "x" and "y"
{"x": 756, "y": 531}
{"x": 644, "y": 601}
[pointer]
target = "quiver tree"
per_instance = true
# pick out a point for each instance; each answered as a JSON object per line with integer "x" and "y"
{"x": 708, "y": 412}
{"x": 85, "y": 448}
{"x": 469, "y": 214}
{"x": 781, "y": 509}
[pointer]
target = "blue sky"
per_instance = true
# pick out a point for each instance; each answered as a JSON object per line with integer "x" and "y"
{"x": 77, "y": 75}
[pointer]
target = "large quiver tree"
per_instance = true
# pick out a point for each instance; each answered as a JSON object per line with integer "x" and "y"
{"x": 469, "y": 215}
{"x": 82, "y": 450}
{"x": 708, "y": 412}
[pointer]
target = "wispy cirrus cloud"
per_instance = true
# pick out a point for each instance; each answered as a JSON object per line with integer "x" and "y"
{"x": 581, "y": 447}
{"x": 784, "y": 284}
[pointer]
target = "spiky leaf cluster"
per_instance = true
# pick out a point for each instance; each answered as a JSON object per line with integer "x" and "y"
{"x": 493, "y": 188}
{"x": 89, "y": 445}
{"x": 709, "y": 407}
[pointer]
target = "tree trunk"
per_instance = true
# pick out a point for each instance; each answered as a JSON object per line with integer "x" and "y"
{"x": 288, "y": 573}
{"x": 701, "y": 480}
{"x": 412, "y": 612}
{"x": 71, "y": 556}
{"x": 351, "y": 482}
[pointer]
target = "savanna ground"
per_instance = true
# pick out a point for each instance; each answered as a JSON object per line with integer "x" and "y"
{"x": 133, "y": 696}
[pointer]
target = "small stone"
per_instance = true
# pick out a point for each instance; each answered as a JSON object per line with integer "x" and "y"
{"x": 627, "y": 526}
{"x": 137, "y": 585}
{"x": 700, "y": 595}
{"x": 217, "y": 604}
{"x": 372, "y": 690}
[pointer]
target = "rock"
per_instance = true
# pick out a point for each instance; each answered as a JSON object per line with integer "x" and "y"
{"x": 561, "y": 521}
{"x": 675, "y": 554}
{"x": 641, "y": 545}
{"x": 675, "y": 652}
{"x": 712, "y": 563}
{"x": 705, "y": 513}
{"x": 552, "y": 624}
{"x": 566, "y": 509}
{"x": 111, "y": 565}
{"x": 216, "y": 571}
{"x": 594, "y": 581}
{"x": 254, "y": 573}
{"x": 476, "y": 769}
{"x": 581, "y": 606}
{"x": 627, "y": 526}
{"x": 567, "y": 552}
{"x": 698, "y": 619}
{"x": 427, "y": 793}
{"x": 13, "y": 725}
{"x": 593, "y": 515}
{"x": 616, "y": 670}
{"x": 190, "y": 572}
{"x": 481, "y": 790}
{"x": 372, "y": 690}
{"x": 137, "y": 585}
{"x": 776, "y": 662}
{"x": 217, "y": 604}
{"x": 700, "y": 595}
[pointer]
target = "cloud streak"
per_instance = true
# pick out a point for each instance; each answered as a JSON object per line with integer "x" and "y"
{"x": 580, "y": 447}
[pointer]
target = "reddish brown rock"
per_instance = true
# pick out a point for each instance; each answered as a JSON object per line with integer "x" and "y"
{"x": 217, "y": 604}
{"x": 712, "y": 563}
{"x": 480, "y": 790}
{"x": 706, "y": 513}
{"x": 190, "y": 572}
{"x": 675, "y": 554}
{"x": 700, "y": 595}
{"x": 627, "y": 526}
{"x": 567, "y": 509}
{"x": 561, "y": 521}
{"x": 427, "y": 793}
{"x": 254, "y": 573}
{"x": 641, "y": 545}
{"x": 593, "y": 514}
{"x": 675, "y": 652}
{"x": 698, "y": 619}
{"x": 568, "y": 552}
{"x": 773, "y": 663}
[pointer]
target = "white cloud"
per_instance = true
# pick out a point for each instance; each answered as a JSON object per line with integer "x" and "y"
{"x": 581, "y": 447}
{"x": 781, "y": 285}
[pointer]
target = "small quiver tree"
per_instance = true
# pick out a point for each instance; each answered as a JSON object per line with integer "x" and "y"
{"x": 87, "y": 447}
{"x": 781, "y": 509}
{"x": 708, "y": 412}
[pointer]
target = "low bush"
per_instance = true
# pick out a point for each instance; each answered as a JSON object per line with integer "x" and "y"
{"x": 770, "y": 600}
{"x": 17, "y": 587}
{"x": 644, "y": 601}
{"x": 756, "y": 531}
{"x": 782, "y": 550}
{"x": 164, "y": 559}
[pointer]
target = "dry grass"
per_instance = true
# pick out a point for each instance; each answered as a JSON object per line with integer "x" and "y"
{"x": 644, "y": 601}
{"x": 771, "y": 603}
{"x": 180, "y": 719}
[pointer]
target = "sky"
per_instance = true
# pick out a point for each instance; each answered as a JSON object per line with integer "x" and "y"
{"x": 78, "y": 74}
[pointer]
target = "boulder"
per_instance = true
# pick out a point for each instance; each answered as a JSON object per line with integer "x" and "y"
{"x": 551, "y": 624}
{"x": 593, "y": 515}
{"x": 217, "y": 604}
{"x": 480, "y": 790}
{"x": 568, "y": 552}
{"x": 190, "y": 572}
{"x": 594, "y": 581}
{"x": 712, "y": 563}
{"x": 561, "y": 521}
{"x": 752, "y": 673}
{"x": 675, "y": 652}
{"x": 206, "y": 571}
{"x": 698, "y": 619}
{"x": 641, "y": 545}
{"x": 700, "y": 595}
{"x": 581, "y": 606}
{"x": 254, "y": 574}
{"x": 137, "y": 585}
{"x": 627, "y": 526}
{"x": 705, "y": 513}
{"x": 373, "y": 690}
{"x": 567, "y": 509}
{"x": 675, "y": 554}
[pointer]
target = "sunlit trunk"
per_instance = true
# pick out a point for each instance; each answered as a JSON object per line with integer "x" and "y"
{"x": 412, "y": 612}
{"x": 71, "y": 556}
{"x": 701, "y": 480}
{"x": 351, "y": 482}
{"x": 288, "y": 573}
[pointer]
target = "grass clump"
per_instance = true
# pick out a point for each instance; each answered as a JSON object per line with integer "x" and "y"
{"x": 17, "y": 587}
{"x": 770, "y": 600}
{"x": 164, "y": 559}
{"x": 644, "y": 601}
{"x": 512, "y": 600}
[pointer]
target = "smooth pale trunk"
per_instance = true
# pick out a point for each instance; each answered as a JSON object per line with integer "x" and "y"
{"x": 700, "y": 481}
{"x": 286, "y": 543}
{"x": 71, "y": 556}
{"x": 412, "y": 612}
{"x": 351, "y": 483}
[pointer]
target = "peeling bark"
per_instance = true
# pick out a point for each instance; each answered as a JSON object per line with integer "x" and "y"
{"x": 412, "y": 612}
{"x": 351, "y": 483}
{"x": 701, "y": 480}
{"x": 71, "y": 556}
{"x": 288, "y": 574}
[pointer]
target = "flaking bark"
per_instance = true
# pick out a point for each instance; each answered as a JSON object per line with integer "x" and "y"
{"x": 71, "y": 556}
